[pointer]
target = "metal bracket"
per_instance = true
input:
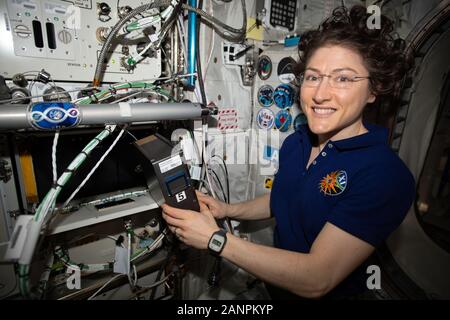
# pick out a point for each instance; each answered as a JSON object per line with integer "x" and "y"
{"x": 248, "y": 72}
{"x": 14, "y": 213}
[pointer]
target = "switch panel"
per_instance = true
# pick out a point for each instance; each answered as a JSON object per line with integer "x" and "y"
{"x": 66, "y": 37}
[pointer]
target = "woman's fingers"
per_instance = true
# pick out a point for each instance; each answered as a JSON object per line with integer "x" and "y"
{"x": 200, "y": 194}
{"x": 172, "y": 221}
{"x": 203, "y": 207}
{"x": 175, "y": 212}
{"x": 204, "y": 198}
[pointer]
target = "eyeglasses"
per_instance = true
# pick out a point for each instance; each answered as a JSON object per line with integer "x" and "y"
{"x": 337, "y": 80}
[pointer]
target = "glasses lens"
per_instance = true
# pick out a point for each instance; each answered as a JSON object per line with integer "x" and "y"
{"x": 310, "y": 79}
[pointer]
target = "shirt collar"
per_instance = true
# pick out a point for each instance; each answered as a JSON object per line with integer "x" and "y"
{"x": 377, "y": 135}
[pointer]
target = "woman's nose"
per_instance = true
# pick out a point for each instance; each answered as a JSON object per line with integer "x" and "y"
{"x": 322, "y": 92}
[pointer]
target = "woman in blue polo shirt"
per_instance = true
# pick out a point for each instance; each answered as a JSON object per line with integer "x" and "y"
{"x": 340, "y": 190}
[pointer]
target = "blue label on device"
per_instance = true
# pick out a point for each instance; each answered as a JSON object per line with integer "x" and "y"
{"x": 53, "y": 115}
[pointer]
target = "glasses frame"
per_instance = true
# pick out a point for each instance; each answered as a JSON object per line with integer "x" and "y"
{"x": 321, "y": 76}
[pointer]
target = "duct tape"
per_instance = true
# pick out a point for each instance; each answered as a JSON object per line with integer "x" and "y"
{"x": 125, "y": 109}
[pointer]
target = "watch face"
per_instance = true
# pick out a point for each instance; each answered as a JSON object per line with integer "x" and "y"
{"x": 216, "y": 242}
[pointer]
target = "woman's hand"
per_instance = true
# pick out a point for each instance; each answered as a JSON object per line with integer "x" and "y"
{"x": 217, "y": 208}
{"x": 191, "y": 227}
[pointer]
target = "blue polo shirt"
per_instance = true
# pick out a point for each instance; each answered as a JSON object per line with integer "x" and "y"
{"x": 357, "y": 184}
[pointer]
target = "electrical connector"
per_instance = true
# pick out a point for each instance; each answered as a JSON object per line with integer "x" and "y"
{"x": 128, "y": 63}
{"x": 43, "y": 76}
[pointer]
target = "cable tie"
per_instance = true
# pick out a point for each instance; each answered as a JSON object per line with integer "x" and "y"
{"x": 70, "y": 170}
{"x": 93, "y": 98}
{"x": 112, "y": 89}
{"x": 56, "y": 185}
{"x": 108, "y": 129}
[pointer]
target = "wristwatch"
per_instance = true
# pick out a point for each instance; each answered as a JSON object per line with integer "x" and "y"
{"x": 217, "y": 242}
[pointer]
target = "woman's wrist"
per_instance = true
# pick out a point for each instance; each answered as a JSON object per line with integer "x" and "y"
{"x": 231, "y": 210}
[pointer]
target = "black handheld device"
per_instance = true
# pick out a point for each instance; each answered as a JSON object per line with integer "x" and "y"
{"x": 171, "y": 172}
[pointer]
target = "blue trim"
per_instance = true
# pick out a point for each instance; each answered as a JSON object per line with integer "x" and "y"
{"x": 192, "y": 41}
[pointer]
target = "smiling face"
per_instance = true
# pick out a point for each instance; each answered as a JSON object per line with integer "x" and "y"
{"x": 335, "y": 112}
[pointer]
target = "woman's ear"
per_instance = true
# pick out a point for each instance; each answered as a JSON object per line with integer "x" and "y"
{"x": 371, "y": 98}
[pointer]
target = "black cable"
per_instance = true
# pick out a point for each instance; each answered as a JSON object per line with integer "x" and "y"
{"x": 200, "y": 82}
{"x": 214, "y": 276}
{"x": 6, "y": 295}
{"x": 226, "y": 175}
{"x": 240, "y": 34}
{"x": 197, "y": 57}
{"x": 160, "y": 271}
{"x": 227, "y": 219}
{"x": 220, "y": 186}
{"x": 167, "y": 25}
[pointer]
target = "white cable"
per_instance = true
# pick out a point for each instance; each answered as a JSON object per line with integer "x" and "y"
{"x": 212, "y": 46}
{"x": 164, "y": 15}
{"x": 55, "y": 143}
{"x": 42, "y": 212}
{"x": 129, "y": 259}
{"x": 197, "y": 93}
{"x": 155, "y": 284}
{"x": 4, "y": 243}
{"x": 94, "y": 168}
{"x": 135, "y": 277}
{"x": 182, "y": 34}
{"x": 102, "y": 287}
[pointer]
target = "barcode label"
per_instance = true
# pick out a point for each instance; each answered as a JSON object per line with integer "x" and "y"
{"x": 169, "y": 164}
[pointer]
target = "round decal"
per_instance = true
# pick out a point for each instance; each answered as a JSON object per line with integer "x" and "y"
{"x": 265, "y": 96}
{"x": 283, "y": 120}
{"x": 286, "y": 70}
{"x": 265, "y": 119}
{"x": 300, "y": 120}
{"x": 284, "y": 96}
{"x": 334, "y": 183}
{"x": 264, "y": 67}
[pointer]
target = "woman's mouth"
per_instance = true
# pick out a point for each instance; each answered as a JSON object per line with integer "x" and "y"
{"x": 323, "y": 111}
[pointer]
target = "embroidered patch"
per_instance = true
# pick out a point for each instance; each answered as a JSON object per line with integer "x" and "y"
{"x": 334, "y": 183}
{"x": 268, "y": 182}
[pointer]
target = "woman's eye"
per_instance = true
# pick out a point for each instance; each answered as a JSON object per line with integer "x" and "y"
{"x": 311, "y": 78}
{"x": 343, "y": 79}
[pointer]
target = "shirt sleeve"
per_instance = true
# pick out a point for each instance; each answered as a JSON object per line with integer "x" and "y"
{"x": 375, "y": 203}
